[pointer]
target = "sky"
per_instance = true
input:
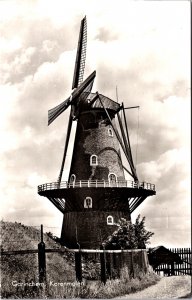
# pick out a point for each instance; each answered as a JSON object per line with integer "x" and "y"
{"x": 140, "y": 47}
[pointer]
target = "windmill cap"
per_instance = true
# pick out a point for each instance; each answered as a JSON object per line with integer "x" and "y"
{"x": 91, "y": 100}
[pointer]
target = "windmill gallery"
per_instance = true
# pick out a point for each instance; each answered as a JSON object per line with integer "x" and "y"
{"x": 96, "y": 194}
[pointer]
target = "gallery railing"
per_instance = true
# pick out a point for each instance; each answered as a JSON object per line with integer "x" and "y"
{"x": 96, "y": 184}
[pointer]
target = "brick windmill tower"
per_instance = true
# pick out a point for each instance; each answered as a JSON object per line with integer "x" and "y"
{"x": 96, "y": 194}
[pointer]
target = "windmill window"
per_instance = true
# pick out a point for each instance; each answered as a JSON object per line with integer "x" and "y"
{"x": 93, "y": 160}
{"x": 112, "y": 178}
{"x": 109, "y": 220}
{"x": 88, "y": 202}
{"x": 72, "y": 178}
{"x": 110, "y": 132}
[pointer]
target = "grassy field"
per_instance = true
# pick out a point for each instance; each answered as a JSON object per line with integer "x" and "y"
{"x": 19, "y": 274}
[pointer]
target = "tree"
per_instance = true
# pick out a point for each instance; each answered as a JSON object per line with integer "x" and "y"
{"x": 128, "y": 235}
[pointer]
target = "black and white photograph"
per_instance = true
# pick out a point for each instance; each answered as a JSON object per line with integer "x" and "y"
{"x": 95, "y": 149}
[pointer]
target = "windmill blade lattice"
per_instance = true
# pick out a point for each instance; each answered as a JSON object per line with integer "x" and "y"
{"x": 81, "y": 55}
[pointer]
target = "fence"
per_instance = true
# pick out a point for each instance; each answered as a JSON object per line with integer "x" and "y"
{"x": 92, "y": 264}
{"x": 184, "y": 268}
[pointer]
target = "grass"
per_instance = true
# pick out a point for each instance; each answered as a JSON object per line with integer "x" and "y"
{"x": 24, "y": 268}
{"x": 97, "y": 290}
{"x": 60, "y": 274}
{"x": 85, "y": 290}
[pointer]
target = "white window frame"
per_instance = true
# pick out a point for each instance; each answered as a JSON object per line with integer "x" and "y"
{"x": 91, "y": 160}
{"x": 85, "y": 202}
{"x": 112, "y": 220}
{"x": 111, "y": 181}
{"x": 72, "y": 179}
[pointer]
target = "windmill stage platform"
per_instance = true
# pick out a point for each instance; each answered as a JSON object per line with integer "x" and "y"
{"x": 128, "y": 192}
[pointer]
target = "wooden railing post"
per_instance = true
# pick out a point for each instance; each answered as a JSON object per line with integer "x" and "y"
{"x": 42, "y": 259}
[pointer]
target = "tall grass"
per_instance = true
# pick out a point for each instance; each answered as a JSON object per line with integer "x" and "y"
{"x": 87, "y": 289}
{"x": 95, "y": 289}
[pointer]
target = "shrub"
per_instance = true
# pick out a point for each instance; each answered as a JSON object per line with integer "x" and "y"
{"x": 128, "y": 235}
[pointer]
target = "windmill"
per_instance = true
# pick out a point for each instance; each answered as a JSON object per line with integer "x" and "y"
{"x": 96, "y": 194}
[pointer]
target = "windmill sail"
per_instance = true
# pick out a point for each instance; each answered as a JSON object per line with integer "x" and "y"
{"x": 121, "y": 142}
{"x": 56, "y": 111}
{"x": 81, "y": 55}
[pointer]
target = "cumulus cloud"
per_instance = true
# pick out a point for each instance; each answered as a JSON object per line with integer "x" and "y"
{"x": 140, "y": 47}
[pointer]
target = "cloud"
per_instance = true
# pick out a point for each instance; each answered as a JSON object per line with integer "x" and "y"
{"x": 167, "y": 214}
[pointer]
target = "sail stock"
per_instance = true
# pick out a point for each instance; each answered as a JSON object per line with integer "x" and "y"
{"x": 127, "y": 145}
{"x": 124, "y": 139}
{"x": 127, "y": 133}
{"x": 66, "y": 146}
{"x": 119, "y": 139}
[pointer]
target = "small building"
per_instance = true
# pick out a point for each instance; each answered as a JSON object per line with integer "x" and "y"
{"x": 162, "y": 256}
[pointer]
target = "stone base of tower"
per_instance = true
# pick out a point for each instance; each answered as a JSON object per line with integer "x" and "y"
{"x": 90, "y": 228}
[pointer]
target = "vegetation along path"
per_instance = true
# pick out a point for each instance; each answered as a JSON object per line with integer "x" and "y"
{"x": 166, "y": 288}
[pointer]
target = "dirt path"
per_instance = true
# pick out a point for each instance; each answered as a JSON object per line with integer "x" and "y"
{"x": 167, "y": 288}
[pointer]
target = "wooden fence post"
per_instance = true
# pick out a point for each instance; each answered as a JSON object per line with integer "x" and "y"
{"x": 103, "y": 266}
{"x": 78, "y": 266}
{"x": 172, "y": 269}
{"x": 42, "y": 258}
{"x": 132, "y": 264}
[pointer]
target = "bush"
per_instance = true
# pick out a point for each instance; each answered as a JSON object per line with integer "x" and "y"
{"x": 128, "y": 235}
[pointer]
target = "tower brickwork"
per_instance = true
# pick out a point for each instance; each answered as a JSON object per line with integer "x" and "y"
{"x": 95, "y": 139}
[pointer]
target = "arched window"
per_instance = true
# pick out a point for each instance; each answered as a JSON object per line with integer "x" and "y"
{"x": 109, "y": 220}
{"x": 72, "y": 178}
{"x": 112, "y": 178}
{"x": 110, "y": 132}
{"x": 88, "y": 202}
{"x": 93, "y": 160}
